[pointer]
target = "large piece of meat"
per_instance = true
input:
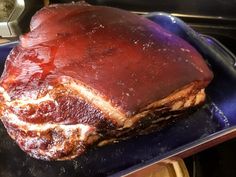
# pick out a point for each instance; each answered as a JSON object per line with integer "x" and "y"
{"x": 90, "y": 75}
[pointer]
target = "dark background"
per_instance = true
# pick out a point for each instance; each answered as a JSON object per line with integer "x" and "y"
{"x": 225, "y": 8}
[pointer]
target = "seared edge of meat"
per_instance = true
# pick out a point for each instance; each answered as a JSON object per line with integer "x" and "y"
{"x": 62, "y": 141}
{"x": 87, "y": 75}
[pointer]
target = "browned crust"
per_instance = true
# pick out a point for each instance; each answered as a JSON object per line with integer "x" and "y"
{"x": 39, "y": 143}
{"x": 84, "y": 84}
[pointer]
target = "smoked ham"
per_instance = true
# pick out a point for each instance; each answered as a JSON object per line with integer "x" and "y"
{"x": 91, "y": 75}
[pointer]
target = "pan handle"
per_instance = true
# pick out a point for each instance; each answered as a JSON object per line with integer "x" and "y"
{"x": 5, "y": 48}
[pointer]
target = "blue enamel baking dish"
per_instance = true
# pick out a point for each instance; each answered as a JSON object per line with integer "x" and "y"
{"x": 213, "y": 123}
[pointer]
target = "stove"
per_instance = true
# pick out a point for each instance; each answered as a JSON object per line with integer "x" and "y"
{"x": 217, "y": 19}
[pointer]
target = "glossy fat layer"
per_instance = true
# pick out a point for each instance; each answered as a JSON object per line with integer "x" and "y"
{"x": 130, "y": 61}
{"x": 68, "y": 104}
{"x": 50, "y": 141}
{"x": 62, "y": 105}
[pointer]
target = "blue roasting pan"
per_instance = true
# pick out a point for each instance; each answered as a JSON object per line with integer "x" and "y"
{"x": 213, "y": 123}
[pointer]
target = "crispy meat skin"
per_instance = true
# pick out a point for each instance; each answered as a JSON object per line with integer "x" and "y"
{"x": 86, "y": 74}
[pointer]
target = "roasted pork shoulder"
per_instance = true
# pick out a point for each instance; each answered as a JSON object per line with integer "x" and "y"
{"x": 91, "y": 75}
